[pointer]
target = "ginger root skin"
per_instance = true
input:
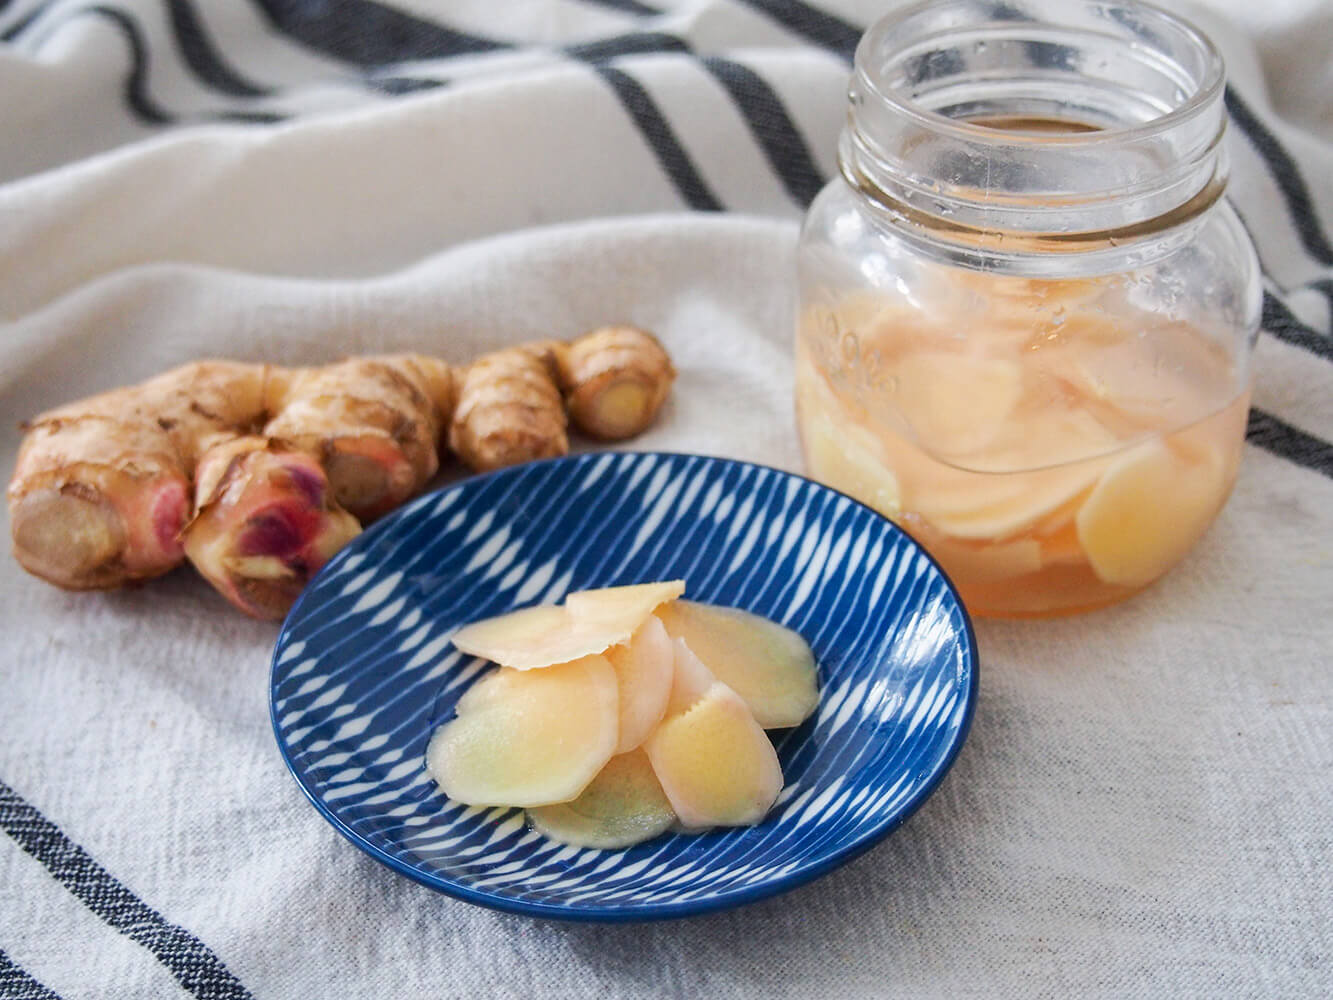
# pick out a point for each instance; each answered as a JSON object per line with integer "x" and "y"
{"x": 259, "y": 474}
{"x": 615, "y": 379}
{"x": 374, "y": 423}
{"x": 101, "y": 487}
{"x": 509, "y": 410}
{"x": 266, "y": 522}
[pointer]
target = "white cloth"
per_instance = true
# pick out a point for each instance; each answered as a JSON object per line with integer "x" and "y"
{"x": 1143, "y": 806}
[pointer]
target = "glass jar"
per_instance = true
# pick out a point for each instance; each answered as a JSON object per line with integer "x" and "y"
{"x": 1026, "y": 313}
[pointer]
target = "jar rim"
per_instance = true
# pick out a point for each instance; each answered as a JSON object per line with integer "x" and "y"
{"x": 1196, "y": 103}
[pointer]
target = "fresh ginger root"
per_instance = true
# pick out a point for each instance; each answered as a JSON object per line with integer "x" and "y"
{"x": 259, "y": 474}
{"x": 265, "y": 522}
{"x": 373, "y": 423}
{"x": 509, "y": 409}
{"x": 615, "y": 380}
{"x": 101, "y": 490}
{"x": 611, "y": 383}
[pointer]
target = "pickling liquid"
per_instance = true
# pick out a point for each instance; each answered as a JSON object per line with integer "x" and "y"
{"x": 1053, "y": 454}
{"x": 1033, "y": 124}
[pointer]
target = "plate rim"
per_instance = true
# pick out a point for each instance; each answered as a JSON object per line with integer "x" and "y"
{"x": 639, "y": 912}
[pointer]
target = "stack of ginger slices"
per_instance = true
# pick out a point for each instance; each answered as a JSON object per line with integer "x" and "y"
{"x": 624, "y": 713}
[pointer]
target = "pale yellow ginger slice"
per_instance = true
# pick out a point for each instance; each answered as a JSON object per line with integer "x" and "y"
{"x": 621, "y": 607}
{"x": 982, "y": 502}
{"x": 1001, "y": 507}
{"x": 846, "y": 456}
{"x": 644, "y": 671}
{"x": 1147, "y": 511}
{"x": 542, "y": 636}
{"x": 770, "y": 666}
{"x": 624, "y": 805}
{"x": 1137, "y": 371}
{"x": 716, "y": 764}
{"x": 1040, "y": 437}
{"x": 529, "y": 738}
{"x": 956, "y": 404}
{"x": 533, "y": 637}
{"x": 689, "y": 681}
{"x": 999, "y": 504}
{"x": 591, "y": 621}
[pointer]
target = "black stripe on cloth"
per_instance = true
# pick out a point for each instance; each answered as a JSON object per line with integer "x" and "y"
{"x": 1300, "y": 206}
{"x": 136, "y": 82}
{"x": 1279, "y": 437}
{"x": 396, "y": 85}
{"x": 815, "y": 25}
{"x": 629, "y": 44}
{"x": 18, "y": 27}
{"x": 658, "y": 134}
{"x": 772, "y": 127}
{"x": 187, "y": 958}
{"x": 627, "y": 6}
{"x": 199, "y": 52}
{"x": 140, "y": 104}
{"x": 1324, "y": 287}
{"x": 202, "y": 55}
{"x": 245, "y": 117}
{"x": 369, "y": 34}
{"x": 1283, "y": 324}
{"x": 18, "y": 984}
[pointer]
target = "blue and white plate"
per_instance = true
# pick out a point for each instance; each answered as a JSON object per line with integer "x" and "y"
{"x": 364, "y": 672}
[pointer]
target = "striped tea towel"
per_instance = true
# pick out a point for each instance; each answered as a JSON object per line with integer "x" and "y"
{"x": 1142, "y": 808}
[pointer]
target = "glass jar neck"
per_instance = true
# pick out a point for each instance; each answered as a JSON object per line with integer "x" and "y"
{"x": 1036, "y": 125}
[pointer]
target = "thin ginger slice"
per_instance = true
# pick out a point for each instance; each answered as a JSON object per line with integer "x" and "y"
{"x": 847, "y": 455}
{"x": 591, "y": 621}
{"x": 540, "y": 636}
{"x": 612, "y": 748}
{"x": 1114, "y": 373}
{"x": 622, "y": 606}
{"x": 892, "y": 475}
{"x": 770, "y": 666}
{"x": 955, "y": 403}
{"x": 1147, "y": 511}
{"x": 644, "y": 671}
{"x": 528, "y": 738}
{"x": 624, "y": 805}
{"x": 715, "y": 763}
{"x": 690, "y": 678}
{"x": 984, "y": 505}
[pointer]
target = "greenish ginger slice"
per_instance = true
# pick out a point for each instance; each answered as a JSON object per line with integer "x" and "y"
{"x": 770, "y": 666}
{"x": 589, "y": 622}
{"x": 624, "y": 805}
{"x": 644, "y": 671}
{"x": 714, "y": 761}
{"x": 1147, "y": 510}
{"x": 529, "y": 738}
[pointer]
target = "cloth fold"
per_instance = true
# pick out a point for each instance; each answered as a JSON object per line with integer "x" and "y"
{"x": 1141, "y": 808}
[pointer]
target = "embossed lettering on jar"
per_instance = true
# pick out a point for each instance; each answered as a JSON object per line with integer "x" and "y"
{"x": 1027, "y": 312}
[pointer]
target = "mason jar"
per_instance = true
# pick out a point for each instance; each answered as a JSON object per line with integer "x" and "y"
{"x": 1026, "y": 311}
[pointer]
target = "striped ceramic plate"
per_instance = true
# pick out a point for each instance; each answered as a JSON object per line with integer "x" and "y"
{"x": 364, "y": 671}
